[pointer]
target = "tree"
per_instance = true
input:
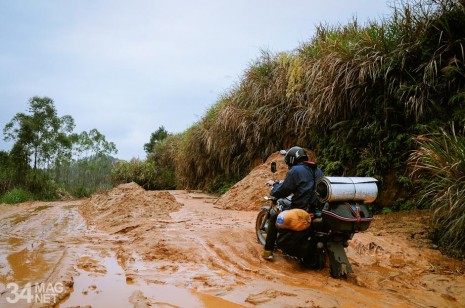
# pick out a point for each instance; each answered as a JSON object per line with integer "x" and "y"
{"x": 93, "y": 143}
{"x": 93, "y": 162}
{"x": 159, "y": 135}
{"x": 6, "y": 172}
{"x": 39, "y": 135}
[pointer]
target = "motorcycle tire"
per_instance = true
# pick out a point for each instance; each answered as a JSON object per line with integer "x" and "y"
{"x": 316, "y": 261}
{"x": 261, "y": 226}
{"x": 321, "y": 261}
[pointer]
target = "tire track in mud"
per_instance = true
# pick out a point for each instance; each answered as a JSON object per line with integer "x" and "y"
{"x": 225, "y": 241}
{"x": 210, "y": 252}
{"x": 215, "y": 261}
{"x": 34, "y": 247}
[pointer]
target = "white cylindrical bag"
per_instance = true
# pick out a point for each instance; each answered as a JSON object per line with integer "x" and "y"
{"x": 334, "y": 189}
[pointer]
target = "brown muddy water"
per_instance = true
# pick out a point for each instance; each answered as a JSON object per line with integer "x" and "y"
{"x": 110, "y": 287}
{"x": 128, "y": 248}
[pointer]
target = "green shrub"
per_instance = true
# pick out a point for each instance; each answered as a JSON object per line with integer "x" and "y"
{"x": 81, "y": 191}
{"x": 386, "y": 210}
{"x": 16, "y": 196}
{"x": 402, "y": 204}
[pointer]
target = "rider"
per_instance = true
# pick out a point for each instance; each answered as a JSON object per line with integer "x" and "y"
{"x": 300, "y": 181}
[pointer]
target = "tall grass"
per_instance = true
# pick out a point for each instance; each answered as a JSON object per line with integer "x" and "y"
{"x": 439, "y": 164}
{"x": 355, "y": 94}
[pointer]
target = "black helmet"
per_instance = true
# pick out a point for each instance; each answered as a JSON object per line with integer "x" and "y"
{"x": 295, "y": 155}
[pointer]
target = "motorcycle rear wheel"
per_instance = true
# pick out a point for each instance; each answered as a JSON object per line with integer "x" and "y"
{"x": 261, "y": 226}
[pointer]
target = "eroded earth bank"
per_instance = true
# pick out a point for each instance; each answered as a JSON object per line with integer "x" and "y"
{"x": 132, "y": 248}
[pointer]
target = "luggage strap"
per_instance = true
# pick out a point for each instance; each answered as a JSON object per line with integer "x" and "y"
{"x": 355, "y": 212}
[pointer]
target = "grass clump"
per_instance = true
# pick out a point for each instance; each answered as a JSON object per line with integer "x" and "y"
{"x": 438, "y": 166}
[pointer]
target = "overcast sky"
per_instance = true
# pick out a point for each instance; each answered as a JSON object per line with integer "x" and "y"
{"x": 129, "y": 67}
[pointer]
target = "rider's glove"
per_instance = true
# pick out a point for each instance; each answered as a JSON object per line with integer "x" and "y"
{"x": 270, "y": 183}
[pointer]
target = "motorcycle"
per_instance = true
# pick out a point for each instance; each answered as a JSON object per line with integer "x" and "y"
{"x": 343, "y": 213}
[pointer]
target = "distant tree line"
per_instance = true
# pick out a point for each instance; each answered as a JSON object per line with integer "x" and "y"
{"x": 49, "y": 158}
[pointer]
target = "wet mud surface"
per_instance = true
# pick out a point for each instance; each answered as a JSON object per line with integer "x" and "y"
{"x": 131, "y": 248}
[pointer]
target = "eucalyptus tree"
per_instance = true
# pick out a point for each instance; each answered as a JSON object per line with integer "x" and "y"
{"x": 92, "y": 159}
{"x": 6, "y": 172}
{"x": 40, "y": 135}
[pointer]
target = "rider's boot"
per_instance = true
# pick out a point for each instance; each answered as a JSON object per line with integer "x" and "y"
{"x": 267, "y": 255}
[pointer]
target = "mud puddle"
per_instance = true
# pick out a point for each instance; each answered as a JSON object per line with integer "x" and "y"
{"x": 32, "y": 250}
{"x": 102, "y": 282}
{"x": 23, "y": 261}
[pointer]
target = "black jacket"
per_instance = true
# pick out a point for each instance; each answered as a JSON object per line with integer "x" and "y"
{"x": 300, "y": 181}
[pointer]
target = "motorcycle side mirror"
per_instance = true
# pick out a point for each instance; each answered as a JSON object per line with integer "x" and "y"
{"x": 273, "y": 166}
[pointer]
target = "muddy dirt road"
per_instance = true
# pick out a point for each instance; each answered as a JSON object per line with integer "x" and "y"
{"x": 131, "y": 248}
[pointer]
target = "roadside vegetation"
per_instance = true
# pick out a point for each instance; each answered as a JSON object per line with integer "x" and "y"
{"x": 438, "y": 166}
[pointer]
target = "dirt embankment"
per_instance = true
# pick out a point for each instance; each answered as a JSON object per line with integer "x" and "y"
{"x": 247, "y": 194}
{"x": 128, "y": 207}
